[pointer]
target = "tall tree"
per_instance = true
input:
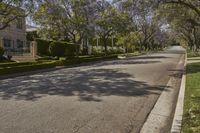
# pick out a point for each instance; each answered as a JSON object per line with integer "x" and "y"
{"x": 11, "y": 10}
{"x": 193, "y": 6}
{"x": 183, "y": 21}
{"x": 64, "y": 19}
{"x": 110, "y": 22}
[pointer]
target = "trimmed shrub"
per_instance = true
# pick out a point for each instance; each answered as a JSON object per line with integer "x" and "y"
{"x": 14, "y": 64}
{"x": 26, "y": 68}
{"x": 43, "y": 47}
{"x": 97, "y": 51}
{"x": 31, "y": 35}
{"x": 57, "y": 49}
{"x": 115, "y": 51}
{"x": 10, "y": 68}
{"x": 71, "y": 49}
{"x": 63, "y": 49}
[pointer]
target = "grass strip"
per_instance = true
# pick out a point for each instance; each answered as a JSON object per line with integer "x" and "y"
{"x": 191, "y": 117}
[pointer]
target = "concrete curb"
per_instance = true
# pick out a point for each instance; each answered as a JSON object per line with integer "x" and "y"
{"x": 162, "y": 113}
{"x": 177, "y": 121}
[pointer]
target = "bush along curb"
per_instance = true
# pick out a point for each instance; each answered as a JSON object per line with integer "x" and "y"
{"x": 14, "y": 68}
{"x": 26, "y": 68}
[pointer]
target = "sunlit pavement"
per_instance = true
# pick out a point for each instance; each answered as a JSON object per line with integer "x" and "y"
{"x": 107, "y": 97}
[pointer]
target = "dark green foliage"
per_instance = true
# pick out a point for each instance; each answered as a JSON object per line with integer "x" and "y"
{"x": 31, "y": 35}
{"x": 14, "y": 64}
{"x": 57, "y": 49}
{"x": 1, "y": 52}
{"x": 10, "y": 68}
{"x": 71, "y": 50}
{"x": 43, "y": 47}
{"x": 28, "y": 66}
{"x": 63, "y": 49}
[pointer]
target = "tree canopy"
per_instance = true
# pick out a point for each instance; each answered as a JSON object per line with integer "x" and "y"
{"x": 135, "y": 24}
{"x": 11, "y": 10}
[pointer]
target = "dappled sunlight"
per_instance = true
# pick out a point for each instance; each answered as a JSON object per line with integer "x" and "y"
{"x": 87, "y": 85}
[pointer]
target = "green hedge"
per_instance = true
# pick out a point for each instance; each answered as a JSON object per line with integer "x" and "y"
{"x": 43, "y": 47}
{"x": 56, "y": 48}
{"x": 11, "y": 64}
{"x": 26, "y": 68}
{"x": 71, "y": 49}
{"x": 31, "y": 35}
{"x": 10, "y": 68}
{"x": 63, "y": 49}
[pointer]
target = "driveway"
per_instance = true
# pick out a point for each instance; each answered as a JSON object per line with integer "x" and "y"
{"x": 106, "y": 97}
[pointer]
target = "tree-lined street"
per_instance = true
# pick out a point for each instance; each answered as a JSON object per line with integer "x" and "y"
{"x": 111, "y": 96}
{"x": 99, "y": 66}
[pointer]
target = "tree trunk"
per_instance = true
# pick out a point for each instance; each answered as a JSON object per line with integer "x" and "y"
{"x": 105, "y": 45}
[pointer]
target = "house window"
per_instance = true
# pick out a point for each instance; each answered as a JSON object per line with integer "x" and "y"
{"x": 7, "y": 43}
{"x": 19, "y": 43}
{"x": 19, "y": 23}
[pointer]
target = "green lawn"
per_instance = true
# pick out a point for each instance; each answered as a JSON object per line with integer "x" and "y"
{"x": 191, "y": 118}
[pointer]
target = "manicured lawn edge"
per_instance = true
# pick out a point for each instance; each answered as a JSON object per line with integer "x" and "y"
{"x": 48, "y": 62}
{"x": 191, "y": 117}
{"x": 26, "y": 68}
{"x": 178, "y": 114}
{"x": 12, "y": 68}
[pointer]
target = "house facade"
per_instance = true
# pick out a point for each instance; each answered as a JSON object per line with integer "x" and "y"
{"x": 13, "y": 37}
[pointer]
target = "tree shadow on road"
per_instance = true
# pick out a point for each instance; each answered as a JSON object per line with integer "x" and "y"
{"x": 87, "y": 85}
{"x": 133, "y": 61}
{"x": 176, "y": 73}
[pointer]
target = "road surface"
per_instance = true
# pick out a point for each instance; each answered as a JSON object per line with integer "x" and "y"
{"x": 106, "y": 97}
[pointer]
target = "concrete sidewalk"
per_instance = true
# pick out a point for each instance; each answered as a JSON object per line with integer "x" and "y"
{"x": 193, "y": 60}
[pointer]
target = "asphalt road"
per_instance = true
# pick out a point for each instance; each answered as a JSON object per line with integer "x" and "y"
{"x": 106, "y": 97}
